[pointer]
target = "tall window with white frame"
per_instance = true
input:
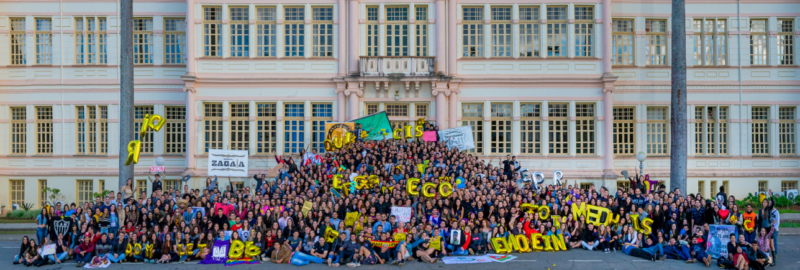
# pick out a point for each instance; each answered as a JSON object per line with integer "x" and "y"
{"x": 175, "y": 141}
{"x": 711, "y": 128}
{"x": 558, "y": 128}
{"x": 472, "y": 115}
{"x": 372, "y": 31}
{"x": 584, "y": 31}
{"x": 398, "y": 110}
{"x": 174, "y": 41}
{"x": 17, "y": 192}
{"x": 139, "y": 113}
{"x": 18, "y": 131}
{"x": 372, "y": 108}
{"x": 44, "y": 41}
{"x": 102, "y": 40}
{"x": 17, "y": 38}
{"x": 710, "y": 46}
{"x": 657, "y": 131}
{"x": 529, "y": 31}
{"x": 322, "y": 27}
{"x": 723, "y": 130}
{"x": 501, "y": 31}
{"x": 103, "y": 123}
{"x": 786, "y": 42}
{"x": 266, "y": 27}
{"x": 266, "y": 122}
{"x": 397, "y": 31}
{"x": 239, "y": 26}
{"x": 421, "y": 30}
{"x": 760, "y": 131}
{"x": 212, "y": 122}
{"x": 91, "y": 130}
{"x": 530, "y": 128}
{"x": 788, "y": 185}
{"x": 501, "y": 128}
{"x": 142, "y": 41}
{"x": 294, "y": 35}
{"x": 294, "y": 128}
{"x": 212, "y": 32}
{"x": 44, "y": 130}
{"x": 556, "y": 31}
{"x": 699, "y": 131}
{"x": 472, "y": 32}
{"x": 656, "y": 42}
{"x": 321, "y": 113}
{"x": 585, "y": 129}
{"x": 84, "y": 41}
{"x": 624, "y": 130}
{"x": 622, "y": 42}
{"x": 240, "y": 126}
{"x": 786, "y": 126}
{"x": 758, "y": 42}
{"x": 80, "y": 130}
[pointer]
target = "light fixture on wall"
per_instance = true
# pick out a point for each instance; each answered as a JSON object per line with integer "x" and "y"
{"x": 396, "y": 95}
{"x": 641, "y": 156}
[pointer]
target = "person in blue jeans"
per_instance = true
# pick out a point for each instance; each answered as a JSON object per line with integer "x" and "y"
{"x": 84, "y": 251}
{"x": 698, "y": 252}
{"x": 300, "y": 259}
{"x": 117, "y": 253}
{"x": 675, "y": 250}
{"x": 653, "y": 248}
{"x": 41, "y": 225}
{"x": 61, "y": 251}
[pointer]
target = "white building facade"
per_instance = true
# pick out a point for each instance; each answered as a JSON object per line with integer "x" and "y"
{"x": 579, "y": 87}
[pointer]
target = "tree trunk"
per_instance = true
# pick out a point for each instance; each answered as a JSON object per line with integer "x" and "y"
{"x": 678, "y": 147}
{"x": 125, "y": 89}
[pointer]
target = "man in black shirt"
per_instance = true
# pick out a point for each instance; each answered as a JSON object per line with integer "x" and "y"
{"x": 508, "y": 166}
{"x": 320, "y": 249}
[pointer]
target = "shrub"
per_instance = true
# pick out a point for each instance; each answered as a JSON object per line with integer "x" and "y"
{"x": 31, "y": 214}
{"x": 15, "y": 214}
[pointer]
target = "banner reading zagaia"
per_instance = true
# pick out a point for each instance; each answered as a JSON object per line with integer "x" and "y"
{"x": 374, "y": 124}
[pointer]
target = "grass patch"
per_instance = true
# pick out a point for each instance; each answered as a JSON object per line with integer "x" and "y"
{"x": 788, "y": 211}
{"x": 790, "y": 224}
{"x": 9, "y": 220}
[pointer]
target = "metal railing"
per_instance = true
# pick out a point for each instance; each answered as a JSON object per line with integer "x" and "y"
{"x": 406, "y": 65}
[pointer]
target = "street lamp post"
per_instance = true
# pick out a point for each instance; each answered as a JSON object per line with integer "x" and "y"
{"x": 641, "y": 156}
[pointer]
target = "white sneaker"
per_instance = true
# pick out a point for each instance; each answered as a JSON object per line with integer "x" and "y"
{"x": 351, "y": 264}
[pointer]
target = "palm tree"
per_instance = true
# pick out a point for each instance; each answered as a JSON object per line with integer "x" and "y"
{"x": 678, "y": 147}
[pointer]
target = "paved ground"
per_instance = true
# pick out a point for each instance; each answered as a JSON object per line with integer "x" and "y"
{"x": 788, "y": 246}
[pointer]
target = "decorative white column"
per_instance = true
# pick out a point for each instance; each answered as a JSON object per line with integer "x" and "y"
{"x": 307, "y": 124}
{"x": 487, "y": 31}
{"x": 226, "y": 124}
{"x": 487, "y": 124}
{"x": 572, "y": 134}
{"x": 515, "y": 32}
{"x": 253, "y": 149}
{"x": 280, "y": 50}
{"x": 543, "y": 30}
{"x": 515, "y": 127}
{"x": 412, "y": 30}
{"x": 309, "y": 50}
{"x": 279, "y": 142}
{"x": 545, "y": 129}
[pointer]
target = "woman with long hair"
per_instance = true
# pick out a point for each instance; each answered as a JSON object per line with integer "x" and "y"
{"x": 168, "y": 252}
{"x": 20, "y": 257}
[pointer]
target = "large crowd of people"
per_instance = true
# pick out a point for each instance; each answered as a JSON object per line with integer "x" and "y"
{"x": 485, "y": 204}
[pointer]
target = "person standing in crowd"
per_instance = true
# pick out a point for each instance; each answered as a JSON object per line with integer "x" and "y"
{"x": 371, "y": 193}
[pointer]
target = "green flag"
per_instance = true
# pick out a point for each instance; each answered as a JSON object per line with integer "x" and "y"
{"x": 374, "y": 124}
